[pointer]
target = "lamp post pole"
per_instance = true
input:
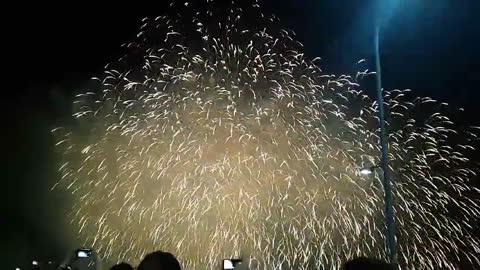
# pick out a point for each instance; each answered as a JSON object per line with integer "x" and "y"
{"x": 389, "y": 218}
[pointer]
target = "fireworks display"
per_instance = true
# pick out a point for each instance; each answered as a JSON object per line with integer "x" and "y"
{"x": 215, "y": 137}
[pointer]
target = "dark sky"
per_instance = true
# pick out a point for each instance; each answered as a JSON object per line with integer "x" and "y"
{"x": 428, "y": 46}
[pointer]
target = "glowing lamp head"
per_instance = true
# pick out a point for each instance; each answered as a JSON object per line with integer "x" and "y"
{"x": 366, "y": 171}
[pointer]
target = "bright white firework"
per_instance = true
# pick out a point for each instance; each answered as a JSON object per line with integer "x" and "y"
{"x": 214, "y": 137}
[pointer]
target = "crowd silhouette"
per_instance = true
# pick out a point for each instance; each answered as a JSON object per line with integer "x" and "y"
{"x": 160, "y": 260}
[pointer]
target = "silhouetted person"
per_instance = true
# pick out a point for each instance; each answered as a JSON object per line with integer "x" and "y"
{"x": 159, "y": 260}
{"x": 363, "y": 263}
{"x": 122, "y": 266}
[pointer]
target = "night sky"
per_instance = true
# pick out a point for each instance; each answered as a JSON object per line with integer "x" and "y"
{"x": 428, "y": 47}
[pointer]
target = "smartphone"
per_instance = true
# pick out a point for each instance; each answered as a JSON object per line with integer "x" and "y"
{"x": 231, "y": 264}
{"x": 84, "y": 253}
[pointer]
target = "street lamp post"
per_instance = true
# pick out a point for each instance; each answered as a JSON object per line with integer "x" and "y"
{"x": 367, "y": 171}
{"x": 389, "y": 218}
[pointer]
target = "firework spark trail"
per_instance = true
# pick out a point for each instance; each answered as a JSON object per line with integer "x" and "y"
{"x": 215, "y": 137}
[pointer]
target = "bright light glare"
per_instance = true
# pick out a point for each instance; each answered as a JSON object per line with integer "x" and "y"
{"x": 366, "y": 171}
{"x": 82, "y": 254}
{"x": 227, "y": 264}
{"x": 34, "y": 263}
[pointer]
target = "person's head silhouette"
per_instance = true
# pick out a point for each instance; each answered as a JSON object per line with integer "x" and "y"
{"x": 363, "y": 263}
{"x": 159, "y": 260}
{"x": 122, "y": 266}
